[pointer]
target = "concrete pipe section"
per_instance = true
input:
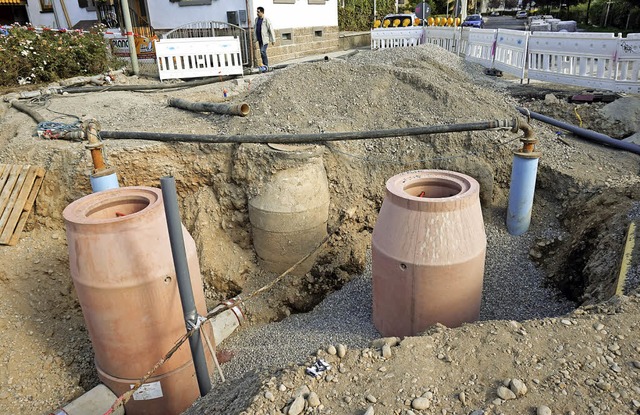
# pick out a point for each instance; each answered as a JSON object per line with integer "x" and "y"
{"x": 289, "y": 215}
{"x": 428, "y": 253}
{"x": 122, "y": 269}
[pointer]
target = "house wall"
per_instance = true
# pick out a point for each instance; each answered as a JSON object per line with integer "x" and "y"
{"x": 165, "y": 15}
{"x": 37, "y": 18}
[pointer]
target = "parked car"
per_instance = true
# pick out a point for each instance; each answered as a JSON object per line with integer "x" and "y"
{"x": 495, "y": 14}
{"x": 474, "y": 20}
{"x": 522, "y": 14}
{"x": 399, "y": 20}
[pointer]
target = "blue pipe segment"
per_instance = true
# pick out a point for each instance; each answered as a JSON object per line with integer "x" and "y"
{"x": 582, "y": 132}
{"x": 523, "y": 184}
{"x": 101, "y": 183}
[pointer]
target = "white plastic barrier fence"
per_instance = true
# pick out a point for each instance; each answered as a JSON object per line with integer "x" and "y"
{"x": 445, "y": 37}
{"x": 481, "y": 46}
{"x": 628, "y": 74}
{"x": 593, "y": 60}
{"x": 582, "y": 59}
{"x": 511, "y": 52}
{"x": 396, "y": 37}
{"x": 198, "y": 57}
{"x": 463, "y": 44}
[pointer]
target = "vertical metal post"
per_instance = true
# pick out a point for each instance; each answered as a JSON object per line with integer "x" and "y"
{"x": 178, "y": 252}
{"x": 126, "y": 15}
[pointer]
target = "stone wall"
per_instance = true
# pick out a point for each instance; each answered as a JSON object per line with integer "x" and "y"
{"x": 297, "y": 43}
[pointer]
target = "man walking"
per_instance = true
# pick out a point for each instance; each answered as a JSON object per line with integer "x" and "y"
{"x": 264, "y": 35}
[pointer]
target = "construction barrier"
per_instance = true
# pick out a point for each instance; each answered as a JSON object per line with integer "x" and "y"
{"x": 511, "y": 52}
{"x": 628, "y": 68}
{"x": 198, "y": 57}
{"x": 582, "y": 59}
{"x": 592, "y": 60}
{"x": 396, "y": 37}
{"x": 445, "y": 37}
{"x": 481, "y": 47}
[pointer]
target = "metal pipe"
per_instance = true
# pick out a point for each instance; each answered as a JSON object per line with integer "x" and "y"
{"x": 239, "y": 109}
{"x": 313, "y": 138}
{"x": 582, "y": 132}
{"x": 126, "y": 15}
{"x": 523, "y": 182}
{"x": 169, "y": 195}
{"x": 103, "y": 177}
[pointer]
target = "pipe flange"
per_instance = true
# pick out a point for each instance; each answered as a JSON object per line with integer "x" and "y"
{"x": 94, "y": 146}
{"x": 528, "y": 155}
{"x": 235, "y": 305}
{"x": 107, "y": 171}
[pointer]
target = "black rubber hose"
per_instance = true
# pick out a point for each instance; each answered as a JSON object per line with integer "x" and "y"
{"x": 582, "y": 132}
{"x": 308, "y": 138}
{"x": 190, "y": 84}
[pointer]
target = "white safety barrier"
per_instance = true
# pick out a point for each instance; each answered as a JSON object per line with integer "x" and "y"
{"x": 396, "y": 37}
{"x": 628, "y": 73}
{"x": 481, "y": 47}
{"x": 511, "y": 52}
{"x": 592, "y": 60}
{"x": 445, "y": 37}
{"x": 582, "y": 59}
{"x": 198, "y": 57}
{"x": 463, "y": 44}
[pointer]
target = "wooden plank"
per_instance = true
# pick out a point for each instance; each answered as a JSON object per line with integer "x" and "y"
{"x": 16, "y": 203}
{"x": 28, "y": 206}
{"x": 8, "y": 186}
{"x": 13, "y": 197}
{"x": 4, "y": 174}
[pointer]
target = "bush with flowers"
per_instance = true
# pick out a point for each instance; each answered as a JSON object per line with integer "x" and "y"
{"x": 32, "y": 56}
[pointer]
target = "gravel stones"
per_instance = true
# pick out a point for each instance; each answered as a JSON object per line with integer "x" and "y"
{"x": 543, "y": 410}
{"x": 420, "y": 403}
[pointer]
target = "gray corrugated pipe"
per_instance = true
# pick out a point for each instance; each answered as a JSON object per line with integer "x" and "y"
{"x": 582, "y": 132}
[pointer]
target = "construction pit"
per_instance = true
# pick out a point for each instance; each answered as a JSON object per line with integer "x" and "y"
{"x": 550, "y": 316}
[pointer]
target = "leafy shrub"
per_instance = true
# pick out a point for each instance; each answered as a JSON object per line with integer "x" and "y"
{"x": 30, "y": 57}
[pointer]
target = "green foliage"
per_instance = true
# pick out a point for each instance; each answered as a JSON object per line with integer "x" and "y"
{"x": 31, "y": 57}
{"x": 357, "y": 15}
{"x": 621, "y": 14}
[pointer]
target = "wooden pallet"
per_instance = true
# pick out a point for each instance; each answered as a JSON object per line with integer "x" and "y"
{"x": 19, "y": 186}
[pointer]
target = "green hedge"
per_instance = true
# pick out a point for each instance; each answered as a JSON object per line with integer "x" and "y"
{"x": 31, "y": 57}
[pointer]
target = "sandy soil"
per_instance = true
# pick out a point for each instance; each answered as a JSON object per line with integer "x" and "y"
{"x": 585, "y": 362}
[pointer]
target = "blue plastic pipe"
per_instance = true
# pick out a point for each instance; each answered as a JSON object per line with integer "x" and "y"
{"x": 523, "y": 185}
{"x": 101, "y": 183}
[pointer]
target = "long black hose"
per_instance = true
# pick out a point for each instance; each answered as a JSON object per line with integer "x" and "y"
{"x": 309, "y": 138}
{"x": 190, "y": 84}
{"x": 582, "y": 132}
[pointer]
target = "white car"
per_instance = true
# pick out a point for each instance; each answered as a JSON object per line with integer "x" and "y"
{"x": 522, "y": 14}
{"x": 402, "y": 20}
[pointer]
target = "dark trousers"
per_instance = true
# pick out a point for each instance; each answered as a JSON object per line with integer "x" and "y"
{"x": 263, "y": 54}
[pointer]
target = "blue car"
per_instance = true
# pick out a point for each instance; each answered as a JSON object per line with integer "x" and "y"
{"x": 474, "y": 20}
